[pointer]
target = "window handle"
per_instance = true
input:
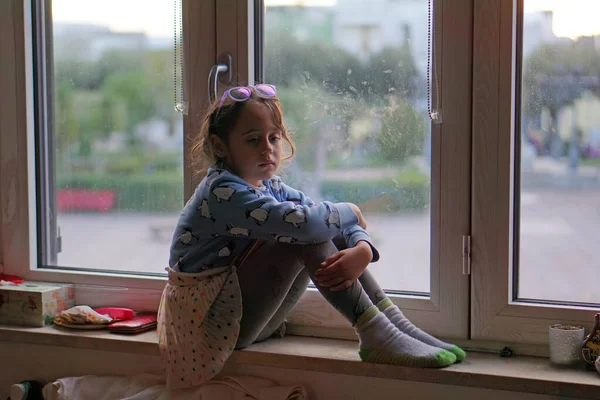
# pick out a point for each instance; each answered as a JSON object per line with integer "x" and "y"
{"x": 224, "y": 66}
{"x": 213, "y": 81}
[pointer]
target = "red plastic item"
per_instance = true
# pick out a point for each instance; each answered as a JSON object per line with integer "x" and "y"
{"x": 121, "y": 314}
{"x": 85, "y": 199}
{"x": 11, "y": 278}
{"x": 138, "y": 324}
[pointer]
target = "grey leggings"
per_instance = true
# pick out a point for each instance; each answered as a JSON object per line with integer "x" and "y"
{"x": 273, "y": 279}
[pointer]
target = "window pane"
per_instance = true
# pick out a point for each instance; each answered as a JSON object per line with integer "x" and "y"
{"x": 119, "y": 142}
{"x": 351, "y": 78}
{"x": 560, "y": 152}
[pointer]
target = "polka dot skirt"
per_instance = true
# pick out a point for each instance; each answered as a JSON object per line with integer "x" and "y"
{"x": 198, "y": 324}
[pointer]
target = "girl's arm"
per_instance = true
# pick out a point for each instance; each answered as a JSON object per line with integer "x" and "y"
{"x": 238, "y": 209}
{"x": 350, "y": 237}
{"x": 288, "y": 193}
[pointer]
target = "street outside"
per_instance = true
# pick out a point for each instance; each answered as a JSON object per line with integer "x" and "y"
{"x": 559, "y": 242}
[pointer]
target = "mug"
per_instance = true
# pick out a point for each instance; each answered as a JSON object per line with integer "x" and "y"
{"x": 565, "y": 343}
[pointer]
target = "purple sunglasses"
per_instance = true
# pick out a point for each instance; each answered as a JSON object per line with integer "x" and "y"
{"x": 243, "y": 93}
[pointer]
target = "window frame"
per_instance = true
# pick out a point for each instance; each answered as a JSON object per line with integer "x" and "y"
{"x": 16, "y": 172}
{"x": 208, "y": 30}
{"x": 496, "y": 312}
{"x": 19, "y": 236}
{"x": 445, "y": 312}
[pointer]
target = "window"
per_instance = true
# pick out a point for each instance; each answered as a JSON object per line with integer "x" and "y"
{"x": 559, "y": 172}
{"x": 369, "y": 81}
{"x": 536, "y": 175}
{"x": 355, "y": 93}
{"x": 114, "y": 148}
{"x": 513, "y": 164}
{"x": 100, "y": 155}
{"x": 102, "y": 120}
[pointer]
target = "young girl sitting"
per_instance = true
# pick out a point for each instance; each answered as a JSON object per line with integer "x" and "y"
{"x": 247, "y": 245}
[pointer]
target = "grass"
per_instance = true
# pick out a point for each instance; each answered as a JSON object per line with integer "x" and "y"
{"x": 591, "y": 162}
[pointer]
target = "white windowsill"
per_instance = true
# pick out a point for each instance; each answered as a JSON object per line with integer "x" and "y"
{"x": 520, "y": 373}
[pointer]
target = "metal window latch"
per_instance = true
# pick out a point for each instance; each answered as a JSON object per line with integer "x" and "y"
{"x": 506, "y": 352}
{"x": 466, "y": 255}
{"x": 58, "y": 242}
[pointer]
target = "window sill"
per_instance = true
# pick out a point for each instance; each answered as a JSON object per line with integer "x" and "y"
{"x": 518, "y": 374}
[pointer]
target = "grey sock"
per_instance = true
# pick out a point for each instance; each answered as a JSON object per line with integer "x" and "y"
{"x": 381, "y": 342}
{"x": 397, "y": 318}
{"x": 279, "y": 332}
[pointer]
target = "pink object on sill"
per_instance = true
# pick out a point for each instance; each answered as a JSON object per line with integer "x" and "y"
{"x": 11, "y": 278}
{"x": 122, "y": 314}
{"x": 85, "y": 199}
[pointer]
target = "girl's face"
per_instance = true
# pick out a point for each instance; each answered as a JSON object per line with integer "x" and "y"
{"x": 254, "y": 146}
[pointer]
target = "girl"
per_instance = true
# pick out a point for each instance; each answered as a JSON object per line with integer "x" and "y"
{"x": 246, "y": 246}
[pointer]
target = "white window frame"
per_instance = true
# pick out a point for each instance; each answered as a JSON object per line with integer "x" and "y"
{"x": 445, "y": 312}
{"x": 18, "y": 233}
{"x": 497, "y": 314}
{"x": 211, "y": 28}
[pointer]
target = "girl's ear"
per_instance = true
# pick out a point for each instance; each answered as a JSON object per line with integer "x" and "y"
{"x": 218, "y": 146}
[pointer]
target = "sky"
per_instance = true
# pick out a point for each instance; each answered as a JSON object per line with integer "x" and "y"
{"x": 572, "y": 18}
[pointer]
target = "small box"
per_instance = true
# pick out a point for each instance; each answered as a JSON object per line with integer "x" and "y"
{"x": 34, "y": 303}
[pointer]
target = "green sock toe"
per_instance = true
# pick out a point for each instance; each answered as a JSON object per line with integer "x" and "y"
{"x": 442, "y": 359}
{"x": 459, "y": 353}
{"x": 445, "y": 358}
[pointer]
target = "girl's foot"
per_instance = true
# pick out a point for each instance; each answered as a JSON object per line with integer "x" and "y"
{"x": 397, "y": 318}
{"x": 381, "y": 342}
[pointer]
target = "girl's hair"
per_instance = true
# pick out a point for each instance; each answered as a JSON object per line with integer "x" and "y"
{"x": 220, "y": 122}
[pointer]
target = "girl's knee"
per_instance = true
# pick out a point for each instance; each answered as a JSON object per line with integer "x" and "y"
{"x": 324, "y": 247}
{"x": 318, "y": 251}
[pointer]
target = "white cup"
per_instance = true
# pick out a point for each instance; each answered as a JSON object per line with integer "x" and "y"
{"x": 565, "y": 343}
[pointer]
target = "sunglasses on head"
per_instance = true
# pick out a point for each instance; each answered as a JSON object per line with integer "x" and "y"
{"x": 243, "y": 93}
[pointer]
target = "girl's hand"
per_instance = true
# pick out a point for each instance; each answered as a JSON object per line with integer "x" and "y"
{"x": 361, "y": 220}
{"x": 342, "y": 269}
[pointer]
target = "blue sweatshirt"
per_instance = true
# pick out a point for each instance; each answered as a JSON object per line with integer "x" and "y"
{"x": 225, "y": 215}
